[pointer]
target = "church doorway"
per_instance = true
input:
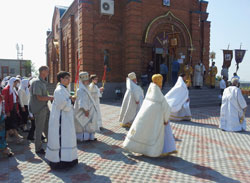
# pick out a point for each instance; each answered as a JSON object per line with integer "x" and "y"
{"x": 163, "y": 52}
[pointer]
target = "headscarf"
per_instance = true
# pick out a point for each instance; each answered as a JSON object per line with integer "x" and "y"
{"x": 12, "y": 90}
{"x": 5, "y": 81}
{"x": 25, "y": 86}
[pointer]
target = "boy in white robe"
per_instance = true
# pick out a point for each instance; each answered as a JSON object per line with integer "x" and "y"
{"x": 96, "y": 93}
{"x": 61, "y": 147}
{"x": 85, "y": 111}
{"x": 132, "y": 101}
{"x": 178, "y": 99}
{"x": 233, "y": 109}
{"x": 150, "y": 133}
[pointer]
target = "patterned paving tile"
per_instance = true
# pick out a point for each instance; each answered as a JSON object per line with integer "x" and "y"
{"x": 205, "y": 154}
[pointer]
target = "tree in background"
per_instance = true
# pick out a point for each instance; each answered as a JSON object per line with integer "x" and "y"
{"x": 30, "y": 69}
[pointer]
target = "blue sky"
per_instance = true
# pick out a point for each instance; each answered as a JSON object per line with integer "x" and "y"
{"x": 26, "y": 22}
{"x": 230, "y": 24}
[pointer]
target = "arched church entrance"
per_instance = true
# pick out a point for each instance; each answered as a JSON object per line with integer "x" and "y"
{"x": 169, "y": 39}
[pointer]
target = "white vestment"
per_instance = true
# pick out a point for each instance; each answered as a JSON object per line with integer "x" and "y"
{"x": 96, "y": 95}
{"x": 177, "y": 99}
{"x": 198, "y": 74}
{"x": 231, "y": 111}
{"x": 129, "y": 107}
{"x": 147, "y": 133}
{"x": 61, "y": 133}
{"x": 85, "y": 126}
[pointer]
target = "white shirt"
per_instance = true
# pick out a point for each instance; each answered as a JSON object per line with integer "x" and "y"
{"x": 223, "y": 84}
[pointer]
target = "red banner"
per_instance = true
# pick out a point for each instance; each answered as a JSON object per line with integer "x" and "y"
{"x": 228, "y": 57}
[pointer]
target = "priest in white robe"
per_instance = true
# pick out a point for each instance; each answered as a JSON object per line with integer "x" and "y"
{"x": 96, "y": 94}
{"x": 199, "y": 72}
{"x": 132, "y": 101}
{"x": 151, "y": 133}
{"x": 85, "y": 110}
{"x": 61, "y": 147}
{"x": 178, "y": 100}
{"x": 233, "y": 109}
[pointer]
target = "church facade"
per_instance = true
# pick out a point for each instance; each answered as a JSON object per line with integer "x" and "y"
{"x": 136, "y": 32}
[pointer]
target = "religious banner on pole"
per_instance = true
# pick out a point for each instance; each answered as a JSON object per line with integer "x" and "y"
{"x": 228, "y": 57}
{"x": 239, "y": 55}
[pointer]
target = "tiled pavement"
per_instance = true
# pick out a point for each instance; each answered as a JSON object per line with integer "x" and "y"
{"x": 205, "y": 154}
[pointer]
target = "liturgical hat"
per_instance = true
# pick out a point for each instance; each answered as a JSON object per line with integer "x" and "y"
{"x": 84, "y": 76}
{"x": 132, "y": 76}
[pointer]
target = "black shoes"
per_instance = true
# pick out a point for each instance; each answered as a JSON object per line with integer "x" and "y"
{"x": 41, "y": 151}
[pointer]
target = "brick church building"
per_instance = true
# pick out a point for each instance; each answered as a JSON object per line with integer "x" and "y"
{"x": 130, "y": 33}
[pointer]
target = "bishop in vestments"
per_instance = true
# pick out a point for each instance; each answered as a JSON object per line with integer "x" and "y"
{"x": 151, "y": 133}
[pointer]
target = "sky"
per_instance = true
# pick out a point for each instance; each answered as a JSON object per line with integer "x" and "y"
{"x": 26, "y": 22}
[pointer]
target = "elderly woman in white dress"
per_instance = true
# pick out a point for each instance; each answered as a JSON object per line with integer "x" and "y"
{"x": 61, "y": 147}
{"x": 96, "y": 93}
{"x": 86, "y": 115}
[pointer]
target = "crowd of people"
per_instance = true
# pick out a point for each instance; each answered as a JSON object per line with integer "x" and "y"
{"x": 77, "y": 118}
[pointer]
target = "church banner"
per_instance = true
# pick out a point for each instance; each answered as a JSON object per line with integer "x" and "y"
{"x": 228, "y": 56}
{"x": 239, "y": 55}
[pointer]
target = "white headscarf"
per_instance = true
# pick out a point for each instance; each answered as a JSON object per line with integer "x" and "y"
{"x": 24, "y": 86}
{"x": 5, "y": 81}
{"x": 12, "y": 89}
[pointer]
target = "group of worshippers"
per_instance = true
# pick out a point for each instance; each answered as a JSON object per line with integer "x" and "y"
{"x": 14, "y": 100}
{"x": 149, "y": 118}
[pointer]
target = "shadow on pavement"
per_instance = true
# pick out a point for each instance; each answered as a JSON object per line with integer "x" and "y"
{"x": 196, "y": 124}
{"x": 112, "y": 134}
{"x": 79, "y": 173}
{"x": 109, "y": 152}
{"x": 180, "y": 165}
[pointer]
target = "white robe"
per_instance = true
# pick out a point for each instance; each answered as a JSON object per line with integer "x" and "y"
{"x": 96, "y": 95}
{"x": 61, "y": 108}
{"x": 177, "y": 99}
{"x": 85, "y": 126}
{"x": 231, "y": 111}
{"x": 129, "y": 107}
{"x": 198, "y": 74}
{"x": 147, "y": 133}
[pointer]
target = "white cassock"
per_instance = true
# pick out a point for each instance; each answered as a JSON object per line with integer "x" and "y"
{"x": 198, "y": 74}
{"x": 177, "y": 99}
{"x": 85, "y": 126}
{"x": 231, "y": 110}
{"x": 96, "y": 95}
{"x": 129, "y": 107}
{"x": 61, "y": 133}
{"x": 148, "y": 135}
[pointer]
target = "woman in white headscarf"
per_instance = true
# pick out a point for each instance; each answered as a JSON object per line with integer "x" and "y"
{"x": 24, "y": 95}
{"x": 11, "y": 110}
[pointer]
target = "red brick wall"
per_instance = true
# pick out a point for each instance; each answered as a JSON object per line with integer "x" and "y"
{"x": 123, "y": 34}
